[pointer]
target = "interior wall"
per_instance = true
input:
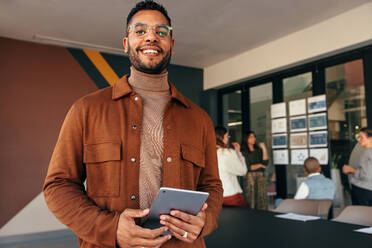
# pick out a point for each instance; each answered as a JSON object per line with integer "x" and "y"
{"x": 340, "y": 33}
{"x": 39, "y": 83}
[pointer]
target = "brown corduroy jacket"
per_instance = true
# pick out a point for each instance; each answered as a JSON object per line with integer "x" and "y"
{"x": 100, "y": 142}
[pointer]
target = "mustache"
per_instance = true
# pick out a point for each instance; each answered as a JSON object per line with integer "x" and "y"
{"x": 149, "y": 45}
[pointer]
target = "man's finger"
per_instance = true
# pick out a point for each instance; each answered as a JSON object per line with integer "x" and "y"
{"x": 142, "y": 242}
{"x": 136, "y": 213}
{"x": 149, "y": 233}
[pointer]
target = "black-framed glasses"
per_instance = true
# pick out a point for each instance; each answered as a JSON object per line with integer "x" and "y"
{"x": 141, "y": 29}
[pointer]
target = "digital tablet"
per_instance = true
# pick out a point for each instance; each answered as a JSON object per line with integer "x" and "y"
{"x": 188, "y": 201}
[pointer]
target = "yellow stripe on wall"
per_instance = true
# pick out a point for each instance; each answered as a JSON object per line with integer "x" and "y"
{"x": 102, "y": 66}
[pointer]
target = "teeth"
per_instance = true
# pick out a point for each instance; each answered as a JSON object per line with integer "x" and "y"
{"x": 149, "y": 51}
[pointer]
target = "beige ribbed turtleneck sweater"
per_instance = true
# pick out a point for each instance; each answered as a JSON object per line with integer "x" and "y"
{"x": 154, "y": 91}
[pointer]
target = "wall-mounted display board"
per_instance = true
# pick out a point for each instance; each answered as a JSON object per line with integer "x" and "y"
{"x": 278, "y": 110}
{"x": 298, "y": 156}
{"x": 298, "y": 140}
{"x": 316, "y": 104}
{"x": 298, "y": 124}
{"x": 318, "y": 139}
{"x": 279, "y": 125}
{"x": 297, "y": 107}
{"x": 318, "y": 121}
{"x": 279, "y": 141}
{"x": 320, "y": 154}
{"x": 281, "y": 156}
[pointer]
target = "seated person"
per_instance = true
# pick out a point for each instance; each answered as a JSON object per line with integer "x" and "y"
{"x": 316, "y": 185}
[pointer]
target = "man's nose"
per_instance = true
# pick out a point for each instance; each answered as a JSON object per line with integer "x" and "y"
{"x": 151, "y": 36}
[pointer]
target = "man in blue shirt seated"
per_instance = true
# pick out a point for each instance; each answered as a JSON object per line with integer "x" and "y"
{"x": 316, "y": 185}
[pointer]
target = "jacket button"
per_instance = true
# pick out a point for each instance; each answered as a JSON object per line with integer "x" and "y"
{"x": 133, "y": 197}
{"x": 169, "y": 159}
{"x": 136, "y": 98}
{"x": 134, "y": 127}
{"x": 132, "y": 160}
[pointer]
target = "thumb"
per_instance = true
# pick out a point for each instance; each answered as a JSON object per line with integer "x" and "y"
{"x": 136, "y": 213}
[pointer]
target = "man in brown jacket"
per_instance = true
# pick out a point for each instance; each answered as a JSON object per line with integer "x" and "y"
{"x": 127, "y": 141}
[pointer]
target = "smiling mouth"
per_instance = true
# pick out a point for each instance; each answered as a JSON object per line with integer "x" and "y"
{"x": 150, "y": 51}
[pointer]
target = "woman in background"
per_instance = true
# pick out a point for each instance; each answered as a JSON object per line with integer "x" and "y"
{"x": 361, "y": 173}
{"x": 230, "y": 165}
{"x": 257, "y": 159}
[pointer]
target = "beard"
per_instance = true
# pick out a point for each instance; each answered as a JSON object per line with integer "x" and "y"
{"x": 153, "y": 68}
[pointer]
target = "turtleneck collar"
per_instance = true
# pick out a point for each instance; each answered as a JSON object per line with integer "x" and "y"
{"x": 148, "y": 82}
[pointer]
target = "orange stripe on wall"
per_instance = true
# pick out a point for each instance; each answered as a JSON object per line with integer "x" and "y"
{"x": 102, "y": 66}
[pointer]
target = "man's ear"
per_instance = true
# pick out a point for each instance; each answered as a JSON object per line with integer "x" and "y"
{"x": 172, "y": 46}
{"x": 125, "y": 44}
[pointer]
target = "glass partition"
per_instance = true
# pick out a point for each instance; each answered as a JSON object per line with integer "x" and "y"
{"x": 232, "y": 114}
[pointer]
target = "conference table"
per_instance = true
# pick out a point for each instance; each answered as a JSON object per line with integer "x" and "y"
{"x": 240, "y": 227}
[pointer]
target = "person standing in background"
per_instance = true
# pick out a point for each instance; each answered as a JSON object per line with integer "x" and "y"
{"x": 231, "y": 164}
{"x": 360, "y": 174}
{"x": 256, "y": 159}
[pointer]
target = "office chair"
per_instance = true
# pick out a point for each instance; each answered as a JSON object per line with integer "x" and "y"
{"x": 359, "y": 215}
{"x": 306, "y": 206}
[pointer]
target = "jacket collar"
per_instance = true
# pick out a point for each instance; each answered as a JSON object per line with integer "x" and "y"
{"x": 122, "y": 88}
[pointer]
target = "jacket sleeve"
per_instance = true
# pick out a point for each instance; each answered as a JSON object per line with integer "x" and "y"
{"x": 233, "y": 162}
{"x": 209, "y": 180}
{"x": 64, "y": 189}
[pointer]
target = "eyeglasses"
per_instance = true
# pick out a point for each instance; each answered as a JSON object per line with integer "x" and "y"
{"x": 140, "y": 29}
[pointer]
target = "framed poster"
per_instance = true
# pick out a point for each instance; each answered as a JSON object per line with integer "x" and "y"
{"x": 316, "y": 104}
{"x": 278, "y": 110}
{"x": 298, "y": 156}
{"x": 318, "y": 139}
{"x": 298, "y": 140}
{"x": 298, "y": 124}
{"x": 279, "y": 125}
{"x": 320, "y": 154}
{"x": 279, "y": 141}
{"x": 297, "y": 107}
{"x": 317, "y": 121}
{"x": 280, "y": 156}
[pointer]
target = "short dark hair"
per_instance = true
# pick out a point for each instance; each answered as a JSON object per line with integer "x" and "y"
{"x": 148, "y": 5}
{"x": 311, "y": 165}
{"x": 367, "y": 131}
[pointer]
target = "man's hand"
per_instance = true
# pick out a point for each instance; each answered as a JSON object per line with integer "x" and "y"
{"x": 347, "y": 169}
{"x": 183, "y": 226}
{"x": 129, "y": 234}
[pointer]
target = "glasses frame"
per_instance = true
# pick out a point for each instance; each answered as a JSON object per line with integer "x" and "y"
{"x": 132, "y": 28}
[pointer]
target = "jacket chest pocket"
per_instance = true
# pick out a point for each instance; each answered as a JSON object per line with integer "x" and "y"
{"x": 103, "y": 168}
{"x": 193, "y": 161}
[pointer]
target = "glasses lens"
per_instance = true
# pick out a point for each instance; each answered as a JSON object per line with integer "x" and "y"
{"x": 162, "y": 30}
{"x": 140, "y": 29}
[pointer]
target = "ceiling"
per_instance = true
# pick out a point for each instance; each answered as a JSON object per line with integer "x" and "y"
{"x": 206, "y": 31}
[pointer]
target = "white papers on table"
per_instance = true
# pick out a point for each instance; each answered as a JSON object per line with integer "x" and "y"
{"x": 300, "y": 217}
{"x": 278, "y": 110}
{"x": 280, "y": 156}
{"x": 297, "y": 107}
{"x": 365, "y": 230}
